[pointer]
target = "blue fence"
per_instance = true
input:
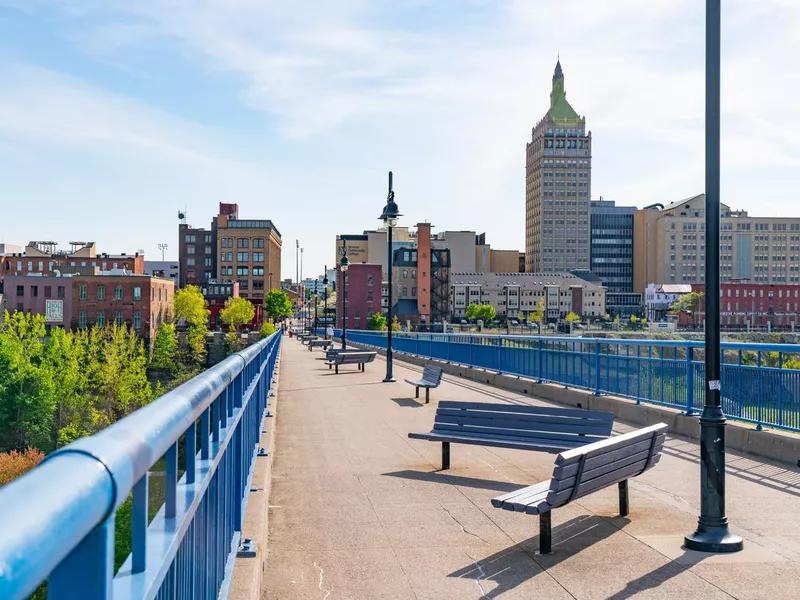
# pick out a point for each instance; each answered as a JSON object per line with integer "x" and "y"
{"x": 760, "y": 382}
{"x": 57, "y": 521}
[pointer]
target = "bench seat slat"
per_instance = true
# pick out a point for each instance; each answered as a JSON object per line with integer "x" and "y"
{"x": 516, "y": 433}
{"x": 526, "y": 408}
{"x": 566, "y": 483}
{"x": 587, "y": 420}
{"x": 422, "y": 383}
{"x": 544, "y": 445}
{"x": 609, "y": 444}
{"x": 542, "y": 486}
{"x": 485, "y": 419}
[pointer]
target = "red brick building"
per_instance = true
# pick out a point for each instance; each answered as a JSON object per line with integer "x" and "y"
{"x": 48, "y": 296}
{"x": 140, "y": 301}
{"x": 744, "y": 305}
{"x": 216, "y": 293}
{"x": 43, "y": 258}
{"x": 363, "y": 294}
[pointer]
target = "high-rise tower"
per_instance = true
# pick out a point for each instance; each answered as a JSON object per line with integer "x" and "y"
{"x": 558, "y": 184}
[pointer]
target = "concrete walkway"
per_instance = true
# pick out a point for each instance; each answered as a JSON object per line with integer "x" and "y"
{"x": 360, "y": 511}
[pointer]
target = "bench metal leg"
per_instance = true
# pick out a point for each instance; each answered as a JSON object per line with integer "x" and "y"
{"x": 445, "y": 455}
{"x": 417, "y": 393}
{"x": 337, "y": 369}
{"x": 427, "y": 395}
{"x": 545, "y": 533}
{"x": 623, "y": 498}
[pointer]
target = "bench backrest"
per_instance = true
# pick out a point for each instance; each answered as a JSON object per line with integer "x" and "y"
{"x": 354, "y": 357}
{"x": 569, "y": 427}
{"x": 432, "y": 374}
{"x": 587, "y": 469}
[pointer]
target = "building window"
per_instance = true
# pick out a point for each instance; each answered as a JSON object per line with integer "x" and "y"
{"x": 159, "y": 294}
{"x": 100, "y": 319}
{"x": 222, "y": 257}
{"x": 101, "y": 292}
{"x": 242, "y": 271}
{"x": 118, "y": 292}
{"x": 35, "y": 291}
{"x": 405, "y": 273}
{"x": 242, "y": 257}
{"x": 258, "y": 271}
{"x": 258, "y": 257}
{"x": 414, "y": 274}
{"x": 118, "y": 318}
{"x": 242, "y": 243}
{"x": 207, "y": 238}
{"x": 207, "y": 250}
{"x": 137, "y": 294}
{"x": 190, "y": 238}
{"x": 137, "y": 320}
{"x": 20, "y": 291}
{"x": 207, "y": 262}
{"x": 82, "y": 320}
{"x": 370, "y": 280}
{"x": 41, "y": 266}
{"x": 190, "y": 249}
{"x": 60, "y": 292}
{"x": 82, "y": 293}
{"x": 48, "y": 291}
{"x": 230, "y": 256}
{"x": 190, "y": 262}
{"x": 258, "y": 242}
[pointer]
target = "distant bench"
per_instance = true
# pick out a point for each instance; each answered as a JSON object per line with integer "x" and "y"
{"x": 318, "y": 344}
{"x": 352, "y": 358}
{"x": 522, "y": 427}
{"x": 331, "y": 353}
{"x": 586, "y": 470}
{"x": 307, "y": 337}
{"x": 431, "y": 378}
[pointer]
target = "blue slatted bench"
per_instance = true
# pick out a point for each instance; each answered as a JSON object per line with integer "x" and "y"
{"x": 352, "y": 358}
{"x": 431, "y": 378}
{"x": 522, "y": 427}
{"x": 586, "y": 470}
{"x": 318, "y": 344}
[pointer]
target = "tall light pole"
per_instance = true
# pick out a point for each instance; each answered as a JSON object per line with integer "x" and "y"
{"x": 163, "y": 248}
{"x": 270, "y": 283}
{"x": 713, "y": 534}
{"x": 343, "y": 265}
{"x": 389, "y": 216}
{"x": 325, "y": 309}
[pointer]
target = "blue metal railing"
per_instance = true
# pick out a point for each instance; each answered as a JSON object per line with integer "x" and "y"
{"x": 57, "y": 521}
{"x": 760, "y": 382}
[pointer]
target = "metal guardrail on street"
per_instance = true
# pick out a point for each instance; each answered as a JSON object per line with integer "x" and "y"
{"x": 760, "y": 382}
{"x": 57, "y": 521}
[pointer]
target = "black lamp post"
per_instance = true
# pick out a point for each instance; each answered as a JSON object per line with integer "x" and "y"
{"x": 316, "y": 314}
{"x": 325, "y": 309}
{"x": 390, "y": 215}
{"x": 343, "y": 265}
{"x": 713, "y": 534}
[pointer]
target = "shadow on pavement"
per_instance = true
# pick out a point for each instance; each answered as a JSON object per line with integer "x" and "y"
{"x": 444, "y": 477}
{"x": 407, "y": 402}
{"x": 513, "y": 566}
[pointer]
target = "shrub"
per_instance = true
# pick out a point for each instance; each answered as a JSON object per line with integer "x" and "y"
{"x": 14, "y": 464}
{"x": 267, "y": 329}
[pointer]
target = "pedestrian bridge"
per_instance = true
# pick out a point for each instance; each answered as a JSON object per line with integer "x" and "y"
{"x": 358, "y": 510}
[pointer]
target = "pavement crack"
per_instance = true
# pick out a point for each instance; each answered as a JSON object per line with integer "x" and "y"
{"x": 321, "y": 578}
{"x": 481, "y": 575}
{"x": 464, "y": 529}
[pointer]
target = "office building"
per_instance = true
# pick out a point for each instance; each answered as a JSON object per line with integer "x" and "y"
{"x": 558, "y": 173}
{"x": 669, "y": 246}
{"x": 659, "y": 298}
{"x": 45, "y": 258}
{"x": 166, "y": 269}
{"x": 48, "y": 295}
{"x": 216, "y": 294}
{"x": 363, "y": 294}
{"x": 514, "y": 293}
{"x": 745, "y": 306}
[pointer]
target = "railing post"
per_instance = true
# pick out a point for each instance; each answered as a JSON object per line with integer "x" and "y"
{"x": 91, "y": 563}
{"x": 597, "y": 368}
{"x": 171, "y": 482}
{"x": 541, "y": 360}
{"x": 139, "y": 524}
{"x": 758, "y": 395}
{"x": 689, "y": 381}
{"x": 499, "y": 355}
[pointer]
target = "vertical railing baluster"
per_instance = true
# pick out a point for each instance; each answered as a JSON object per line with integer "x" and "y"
{"x": 205, "y": 433}
{"x": 93, "y": 559}
{"x": 758, "y": 395}
{"x": 171, "y": 482}
{"x": 139, "y": 522}
{"x": 689, "y": 381}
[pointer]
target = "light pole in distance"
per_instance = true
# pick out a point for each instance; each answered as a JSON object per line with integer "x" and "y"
{"x": 163, "y": 248}
{"x": 344, "y": 263}
{"x": 325, "y": 309}
{"x": 389, "y": 216}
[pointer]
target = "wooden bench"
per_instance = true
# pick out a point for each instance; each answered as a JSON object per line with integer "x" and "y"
{"x": 360, "y": 358}
{"x": 431, "y": 378}
{"x": 318, "y": 344}
{"x": 522, "y": 427}
{"x": 586, "y": 470}
{"x": 331, "y": 353}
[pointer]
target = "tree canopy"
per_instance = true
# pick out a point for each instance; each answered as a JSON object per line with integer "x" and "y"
{"x": 377, "y": 322}
{"x": 191, "y": 305}
{"x": 277, "y": 305}
{"x": 237, "y": 312}
{"x": 484, "y": 312}
{"x": 686, "y": 303}
{"x": 573, "y": 317}
{"x": 537, "y": 316}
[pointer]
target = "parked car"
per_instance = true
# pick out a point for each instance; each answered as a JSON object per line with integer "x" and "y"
{"x": 514, "y": 322}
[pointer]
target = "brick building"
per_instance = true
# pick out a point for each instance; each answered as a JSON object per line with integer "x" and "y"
{"x": 363, "y": 294}
{"x": 50, "y": 296}
{"x": 45, "y": 258}
{"x": 140, "y": 301}
{"x": 746, "y": 305}
{"x": 216, "y": 293}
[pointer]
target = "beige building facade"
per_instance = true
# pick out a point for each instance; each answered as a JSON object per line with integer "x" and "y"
{"x": 669, "y": 246}
{"x": 558, "y": 171}
{"x": 249, "y": 252}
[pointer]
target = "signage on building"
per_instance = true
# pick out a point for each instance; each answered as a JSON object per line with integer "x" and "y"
{"x": 54, "y": 311}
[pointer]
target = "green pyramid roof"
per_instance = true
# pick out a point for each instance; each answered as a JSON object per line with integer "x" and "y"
{"x": 560, "y": 109}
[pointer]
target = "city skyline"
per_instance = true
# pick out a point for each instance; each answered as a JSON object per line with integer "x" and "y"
{"x": 127, "y": 112}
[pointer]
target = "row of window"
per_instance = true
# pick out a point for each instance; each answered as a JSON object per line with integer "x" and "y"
{"x": 191, "y": 238}
{"x": 100, "y": 319}
{"x": 242, "y": 257}
{"x": 191, "y": 250}
{"x": 242, "y": 271}
{"x": 55, "y": 264}
{"x": 190, "y": 262}
{"x": 48, "y": 291}
{"x": 242, "y": 242}
{"x": 119, "y": 293}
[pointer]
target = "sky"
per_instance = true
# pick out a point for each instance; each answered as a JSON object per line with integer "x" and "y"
{"x": 115, "y": 114}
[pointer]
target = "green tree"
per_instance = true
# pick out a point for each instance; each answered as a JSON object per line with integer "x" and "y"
{"x": 277, "y": 305}
{"x": 190, "y": 305}
{"x": 395, "y": 324}
{"x": 377, "y": 322}
{"x": 573, "y": 318}
{"x": 484, "y": 312}
{"x": 237, "y": 312}
{"x": 165, "y": 349}
{"x": 687, "y": 303}
{"x": 537, "y": 316}
{"x": 267, "y": 329}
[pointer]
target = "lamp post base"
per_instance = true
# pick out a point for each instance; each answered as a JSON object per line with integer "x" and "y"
{"x": 713, "y": 539}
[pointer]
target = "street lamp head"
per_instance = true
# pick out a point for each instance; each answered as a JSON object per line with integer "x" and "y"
{"x": 344, "y": 263}
{"x": 390, "y": 212}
